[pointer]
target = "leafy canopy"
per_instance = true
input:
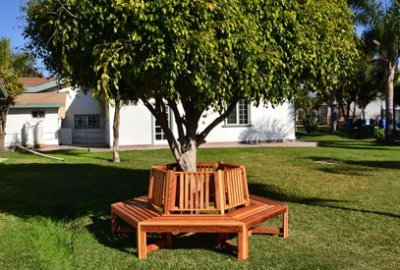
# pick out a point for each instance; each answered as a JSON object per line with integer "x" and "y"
{"x": 205, "y": 52}
{"x": 11, "y": 66}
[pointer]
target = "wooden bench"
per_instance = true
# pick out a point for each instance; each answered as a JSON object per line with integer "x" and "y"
{"x": 214, "y": 199}
{"x": 242, "y": 222}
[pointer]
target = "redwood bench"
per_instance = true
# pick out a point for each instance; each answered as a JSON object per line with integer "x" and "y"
{"x": 242, "y": 222}
{"x": 213, "y": 199}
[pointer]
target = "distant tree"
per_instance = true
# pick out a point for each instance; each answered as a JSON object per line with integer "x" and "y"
{"x": 194, "y": 55}
{"x": 307, "y": 105}
{"x": 364, "y": 10}
{"x": 372, "y": 86}
{"x": 362, "y": 88}
{"x": 383, "y": 40}
{"x": 12, "y": 66}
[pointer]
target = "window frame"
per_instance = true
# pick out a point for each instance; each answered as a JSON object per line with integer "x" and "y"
{"x": 155, "y": 126}
{"x": 239, "y": 116}
{"x": 87, "y": 120}
{"x": 38, "y": 114}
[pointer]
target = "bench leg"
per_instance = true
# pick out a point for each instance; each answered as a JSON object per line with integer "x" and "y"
{"x": 222, "y": 238}
{"x": 113, "y": 222}
{"x": 243, "y": 244}
{"x": 285, "y": 224}
{"x": 141, "y": 243}
{"x": 167, "y": 237}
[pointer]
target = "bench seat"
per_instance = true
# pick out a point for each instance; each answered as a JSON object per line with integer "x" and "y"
{"x": 259, "y": 211}
{"x": 242, "y": 222}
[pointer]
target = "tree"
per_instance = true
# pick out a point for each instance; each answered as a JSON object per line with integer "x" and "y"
{"x": 364, "y": 10}
{"x": 194, "y": 55}
{"x": 12, "y": 66}
{"x": 372, "y": 85}
{"x": 383, "y": 40}
{"x": 361, "y": 88}
{"x": 307, "y": 105}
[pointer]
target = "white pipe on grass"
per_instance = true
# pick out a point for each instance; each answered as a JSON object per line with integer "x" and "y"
{"x": 37, "y": 153}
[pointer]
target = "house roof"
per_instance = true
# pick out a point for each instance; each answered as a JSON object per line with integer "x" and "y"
{"x": 40, "y": 100}
{"x": 38, "y": 84}
{"x": 34, "y": 81}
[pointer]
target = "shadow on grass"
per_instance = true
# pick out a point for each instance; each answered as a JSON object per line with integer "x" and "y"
{"x": 272, "y": 192}
{"x": 382, "y": 164}
{"x": 343, "y": 166}
{"x": 67, "y": 192}
{"x": 352, "y": 144}
{"x": 81, "y": 153}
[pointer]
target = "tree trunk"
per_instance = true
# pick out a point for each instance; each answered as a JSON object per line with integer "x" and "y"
{"x": 341, "y": 106}
{"x": 389, "y": 130}
{"x": 334, "y": 114}
{"x": 188, "y": 158}
{"x": 116, "y": 123}
{"x": 2, "y": 142}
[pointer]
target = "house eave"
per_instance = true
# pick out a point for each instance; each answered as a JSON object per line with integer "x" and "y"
{"x": 38, "y": 105}
{"x": 43, "y": 87}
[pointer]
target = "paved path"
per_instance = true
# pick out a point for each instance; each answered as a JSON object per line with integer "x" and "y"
{"x": 206, "y": 145}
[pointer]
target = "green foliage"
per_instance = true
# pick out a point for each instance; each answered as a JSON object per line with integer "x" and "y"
{"x": 10, "y": 67}
{"x": 310, "y": 121}
{"x": 379, "y": 134}
{"x": 203, "y": 54}
{"x": 307, "y": 109}
{"x": 205, "y": 51}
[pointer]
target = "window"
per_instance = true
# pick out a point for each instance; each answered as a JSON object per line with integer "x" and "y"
{"x": 240, "y": 114}
{"x": 159, "y": 134}
{"x": 38, "y": 114}
{"x": 87, "y": 121}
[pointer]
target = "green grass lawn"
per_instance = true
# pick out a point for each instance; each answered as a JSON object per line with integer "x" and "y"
{"x": 343, "y": 197}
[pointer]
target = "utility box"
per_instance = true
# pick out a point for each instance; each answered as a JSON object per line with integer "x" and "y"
{"x": 65, "y": 136}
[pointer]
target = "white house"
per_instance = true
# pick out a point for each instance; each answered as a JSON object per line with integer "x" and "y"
{"x": 50, "y": 115}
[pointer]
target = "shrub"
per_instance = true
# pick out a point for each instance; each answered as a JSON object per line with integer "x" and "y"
{"x": 310, "y": 120}
{"x": 379, "y": 134}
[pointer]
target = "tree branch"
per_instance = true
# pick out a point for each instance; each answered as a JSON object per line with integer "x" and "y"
{"x": 69, "y": 12}
{"x": 201, "y": 137}
{"x": 178, "y": 119}
{"x": 158, "y": 114}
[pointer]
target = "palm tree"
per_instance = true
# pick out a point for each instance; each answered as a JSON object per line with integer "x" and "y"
{"x": 383, "y": 40}
{"x": 11, "y": 67}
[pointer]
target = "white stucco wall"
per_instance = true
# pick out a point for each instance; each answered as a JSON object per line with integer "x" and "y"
{"x": 266, "y": 124}
{"x": 136, "y": 126}
{"x": 373, "y": 109}
{"x": 16, "y": 119}
{"x": 79, "y": 103}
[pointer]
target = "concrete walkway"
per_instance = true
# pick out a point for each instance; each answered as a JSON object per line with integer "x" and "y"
{"x": 102, "y": 148}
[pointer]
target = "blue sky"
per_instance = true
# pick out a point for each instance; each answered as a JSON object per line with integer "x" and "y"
{"x": 11, "y": 22}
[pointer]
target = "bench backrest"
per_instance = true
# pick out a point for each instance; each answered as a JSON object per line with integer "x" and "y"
{"x": 234, "y": 191}
{"x": 213, "y": 188}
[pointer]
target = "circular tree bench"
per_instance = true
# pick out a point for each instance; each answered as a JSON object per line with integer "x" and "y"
{"x": 214, "y": 199}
